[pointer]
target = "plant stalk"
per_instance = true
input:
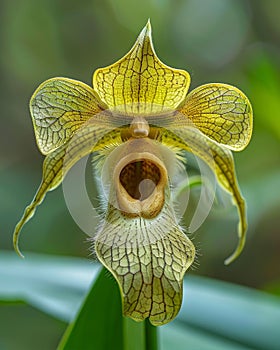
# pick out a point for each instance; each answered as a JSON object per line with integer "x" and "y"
{"x": 139, "y": 335}
{"x": 151, "y": 335}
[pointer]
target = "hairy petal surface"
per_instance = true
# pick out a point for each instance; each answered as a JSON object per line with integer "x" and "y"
{"x": 220, "y": 160}
{"x": 140, "y": 82}
{"x": 58, "y": 108}
{"x": 148, "y": 258}
{"x": 222, "y": 112}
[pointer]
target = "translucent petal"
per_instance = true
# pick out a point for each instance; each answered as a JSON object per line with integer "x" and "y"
{"x": 140, "y": 82}
{"x": 220, "y": 160}
{"x": 58, "y": 108}
{"x": 92, "y": 136}
{"x": 148, "y": 258}
{"x": 222, "y": 112}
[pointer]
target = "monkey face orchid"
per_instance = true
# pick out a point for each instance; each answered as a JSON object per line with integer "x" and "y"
{"x": 139, "y": 118}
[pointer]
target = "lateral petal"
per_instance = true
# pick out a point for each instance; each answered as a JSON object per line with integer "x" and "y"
{"x": 90, "y": 137}
{"x": 222, "y": 112}
{"x": 58, "y": 108}
{"x": 220, "y": 160}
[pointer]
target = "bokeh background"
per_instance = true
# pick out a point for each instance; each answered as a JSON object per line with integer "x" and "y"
{"x": 230, "y": 41}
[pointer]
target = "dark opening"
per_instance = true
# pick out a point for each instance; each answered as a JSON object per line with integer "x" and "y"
{"x": 140, "y": 178}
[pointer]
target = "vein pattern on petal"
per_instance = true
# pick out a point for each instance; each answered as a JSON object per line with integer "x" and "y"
{"x": 92, "y": 136}
{"x": 140, "y": 82}
{"x": 148, "y": 258}
{"x": 58, "y": 108}
{"x": 220, "y": 160}
{"x": 222, "y": 112}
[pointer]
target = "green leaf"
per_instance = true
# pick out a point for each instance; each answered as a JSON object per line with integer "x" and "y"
{"x": 181, "y": 336}
{"x": 214, "y": 314}
{"x": 55, "y": 285}
{"x": 101, "y": 311}
{"x": 240, "y": 314}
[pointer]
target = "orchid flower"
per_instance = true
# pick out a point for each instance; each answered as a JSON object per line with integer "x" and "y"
{"x": 140, "y": 120}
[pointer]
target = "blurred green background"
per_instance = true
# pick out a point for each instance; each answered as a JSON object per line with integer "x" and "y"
{"x": 230, "y": 41}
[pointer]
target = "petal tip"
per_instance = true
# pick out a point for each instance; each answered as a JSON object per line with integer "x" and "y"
{"x": 16, "y": 246}
{"x": 146, "y": 32}
{"x": 237, "y": 251}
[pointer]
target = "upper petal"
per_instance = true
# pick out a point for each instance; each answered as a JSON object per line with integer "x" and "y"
{"x": 58, "y": 108}
{"x": 222, "y": 112}
{"x": 140, "y": 82}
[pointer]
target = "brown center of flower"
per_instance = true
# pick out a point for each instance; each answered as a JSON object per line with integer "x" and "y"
{"x": 140, "y": 178}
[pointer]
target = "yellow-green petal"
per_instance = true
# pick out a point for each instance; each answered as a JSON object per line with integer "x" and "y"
{"x": 222, "y": 112}
{"x": 58, "y": 108}
{"x": 140, "y": 82}
{"x": 148, "y": 258}
{"x": 220, "y": 160}
{"x": 94, "y": 135}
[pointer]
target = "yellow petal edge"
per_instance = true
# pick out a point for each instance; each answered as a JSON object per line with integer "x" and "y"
{"x": 140, "y": 82}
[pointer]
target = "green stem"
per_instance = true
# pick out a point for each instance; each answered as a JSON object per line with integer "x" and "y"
{"x": 151, "y": 336}
{"x": 139, "y": 335}
{"x": 133, "y": 335}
